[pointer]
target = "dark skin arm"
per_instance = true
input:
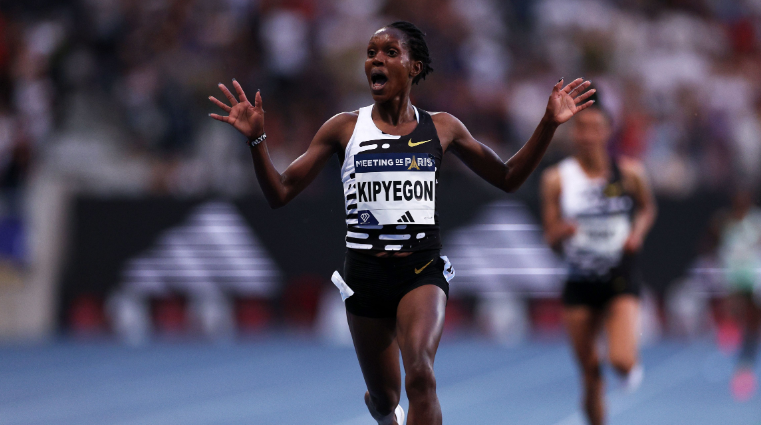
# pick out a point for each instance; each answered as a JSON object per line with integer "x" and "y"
{"x": 564, "y": 103}
{"x": 281, "y": 188}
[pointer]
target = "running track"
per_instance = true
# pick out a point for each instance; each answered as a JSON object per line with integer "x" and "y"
{"x": 280, "y": 380}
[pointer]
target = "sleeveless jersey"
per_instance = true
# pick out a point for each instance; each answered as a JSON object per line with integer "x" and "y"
{"x": 390, "y": 184}
{"x": 603, "y": 215}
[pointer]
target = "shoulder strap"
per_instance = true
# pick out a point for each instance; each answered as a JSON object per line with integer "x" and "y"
{"x": 365, "y": 114}
{"x": 615, "y": 186}
{"x": 568, "y": 167}
{"x": 422, "y": 115}
{"x": 615, "y": 171}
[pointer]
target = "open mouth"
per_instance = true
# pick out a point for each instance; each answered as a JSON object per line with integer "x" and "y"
{"x": 378, "y": 80}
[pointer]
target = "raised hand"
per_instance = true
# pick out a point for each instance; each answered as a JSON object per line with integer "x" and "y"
{"x": 245, "y": 117}
{"x": 565, "y": 102}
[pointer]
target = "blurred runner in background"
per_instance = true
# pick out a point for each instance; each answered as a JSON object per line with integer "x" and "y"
{"x": 738, "y": 235}
{"x": 597, "y": 211}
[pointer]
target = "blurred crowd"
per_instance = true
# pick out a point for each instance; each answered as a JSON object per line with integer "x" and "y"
{"x": 110, "y": 96}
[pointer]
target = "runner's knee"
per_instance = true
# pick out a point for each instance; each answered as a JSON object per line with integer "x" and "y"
{"x": 420, "y": 380}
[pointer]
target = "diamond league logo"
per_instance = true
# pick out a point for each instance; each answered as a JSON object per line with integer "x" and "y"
{"x": 364, "y": 217}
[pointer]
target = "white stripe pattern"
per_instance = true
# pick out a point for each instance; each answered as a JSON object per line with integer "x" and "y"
{"x": 365, "y": 130}
{"x": 394, "y": 237}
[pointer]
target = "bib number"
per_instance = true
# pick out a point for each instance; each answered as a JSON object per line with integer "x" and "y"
{"x": 395, "y": 188}
{"x": 598, "y": 243}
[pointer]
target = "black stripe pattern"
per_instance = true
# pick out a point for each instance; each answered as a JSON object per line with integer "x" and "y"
{"x": 406, "y": 236}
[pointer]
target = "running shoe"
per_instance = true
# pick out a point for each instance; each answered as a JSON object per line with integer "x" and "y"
{"x": 631, "y": 382}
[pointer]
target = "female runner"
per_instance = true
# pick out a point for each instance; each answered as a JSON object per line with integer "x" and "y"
{"x": 391, "y": 153}
{"x": 598, "y": 210}
{"x": 738, "y": 235}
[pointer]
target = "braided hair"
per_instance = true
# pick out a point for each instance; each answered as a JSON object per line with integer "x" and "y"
{"x": 414, "y": 39}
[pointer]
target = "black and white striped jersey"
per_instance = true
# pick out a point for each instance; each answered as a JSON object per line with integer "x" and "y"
{"x": 390, "y": 184}
{"x": 603, "y": 213}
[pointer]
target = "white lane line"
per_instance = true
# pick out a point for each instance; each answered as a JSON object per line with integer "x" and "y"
{"x": 507, "y": 227}
{"x": 515, "y": 271}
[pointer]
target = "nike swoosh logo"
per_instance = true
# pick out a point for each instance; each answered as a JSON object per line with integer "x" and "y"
{"x": 412, "y": 145}
{"x": 418, "y": 271}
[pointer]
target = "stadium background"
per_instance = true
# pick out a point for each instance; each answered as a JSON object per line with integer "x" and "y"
{"x": 130, "y": 217}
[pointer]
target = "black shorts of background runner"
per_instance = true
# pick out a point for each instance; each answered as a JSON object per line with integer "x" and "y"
{"x": 597, "y": 292}
{"x": 379, "y": 283}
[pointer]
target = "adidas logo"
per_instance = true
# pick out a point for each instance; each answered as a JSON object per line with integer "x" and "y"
{"x": 215, "y": 247}
{"x": 406, "y": 218}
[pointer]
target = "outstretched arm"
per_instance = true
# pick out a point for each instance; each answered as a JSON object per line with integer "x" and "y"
{"x": 564, "y": 103}
{"x": 279, "y": 188}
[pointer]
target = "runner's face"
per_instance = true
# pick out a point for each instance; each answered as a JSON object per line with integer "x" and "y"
{"x": 388, "y": 66}
{"x": 590, "y": 131}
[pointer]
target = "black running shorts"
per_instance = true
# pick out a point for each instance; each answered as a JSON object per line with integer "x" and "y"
{"x": 597, "y": 292}
{"x": 379, "y": 283}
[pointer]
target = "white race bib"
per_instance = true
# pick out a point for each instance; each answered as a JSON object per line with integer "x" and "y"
{"x": 601, "y": 234}
{"x": 598, "y": 242}
{"x": 395, "y": 188}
